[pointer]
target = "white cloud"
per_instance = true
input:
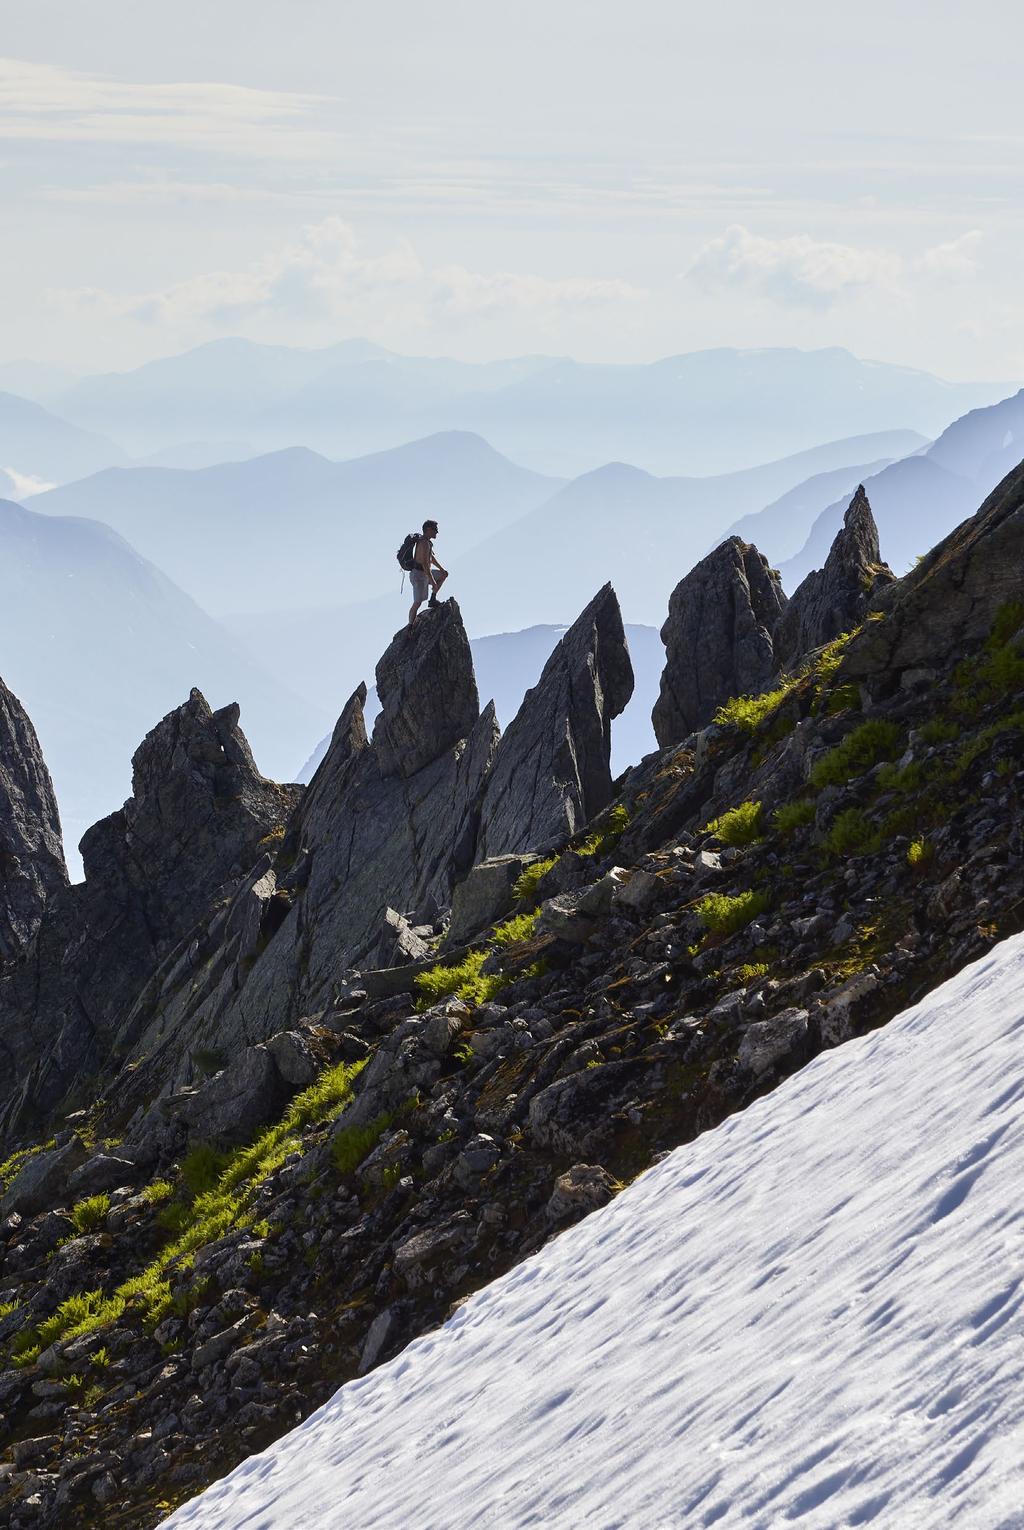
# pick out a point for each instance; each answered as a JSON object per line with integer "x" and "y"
{"x": 44, "y": 103}
{"x": 324, "y": 274}
{"x": 798, "y": 272}
{"x": 801, "y": 272}
{"x": 23, "y": 485}
{"x": 957, "y": 258}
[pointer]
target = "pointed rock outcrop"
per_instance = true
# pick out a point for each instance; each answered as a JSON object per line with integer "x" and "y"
{"x": 834, "y": 599}
{"x": 427, "y": 690}
{"x": 198, "y": 810}
{"x": 552, "y": 772}
{"x": 951, "y": 598}
{"x": 32, "y": 865}
{"x": 718, "y": 638}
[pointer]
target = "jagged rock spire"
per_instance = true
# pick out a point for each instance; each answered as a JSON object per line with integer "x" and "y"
{"x": 198, "y": 810}
{"x": 552, "y": 771}
{"x": 833, "y": 599}
{"x": 953, "y": 595}
{"x": 32, "y": 865}
{"x": 427, "y": 691}
{"x": 717, "y": 637}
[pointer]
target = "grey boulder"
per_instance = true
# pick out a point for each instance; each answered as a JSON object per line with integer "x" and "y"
{"x": 718, "y": 638}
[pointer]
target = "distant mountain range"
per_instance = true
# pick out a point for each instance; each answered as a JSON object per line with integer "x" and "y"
{"x": 291, "y": 533}
{"x": 294, "y": 530}
{"x": 704, "y": 412}
{"x": 98, "y": 644}
{"x": 37, "y": 444}
{"x": 919, "y": 500}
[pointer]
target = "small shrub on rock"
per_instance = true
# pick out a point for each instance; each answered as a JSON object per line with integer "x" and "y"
{"x": 875, "y": 740}
{"x": 723, "y": 914}
{"x": 89, "y": 1214}
{"x": 792, "y": 816}
{"x": 355, "y": 1143}
{"x": 514, "y": 931}
{"x": 739, "y": 826}
{"x": 525, "y": 886}
{"x": 852, "y": 833}
{"x": 464, "y": 980}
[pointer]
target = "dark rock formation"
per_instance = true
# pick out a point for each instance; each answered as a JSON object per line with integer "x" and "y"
{"x": 950, "y": 599}
{"x": 427, "y": 691}
{"x": 551, "y": 774}
{"x": 198, "y": 810}
{"x": 371, "y": 835}
{"x": 32, "y": 865}
{"x": 834, "y": 599}
{"x": 717, "y": 638}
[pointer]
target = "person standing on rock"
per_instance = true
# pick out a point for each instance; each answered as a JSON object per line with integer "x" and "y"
{"x": 423, "y": 578}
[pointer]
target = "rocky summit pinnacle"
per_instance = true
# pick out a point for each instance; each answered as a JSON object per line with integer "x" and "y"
{"x": 427, "y": 692}
{"x": 833, "y": 599}
{"x": 551, "y": 774}
{"x": 32, "y": 865}
{"x": 718, "y": 637}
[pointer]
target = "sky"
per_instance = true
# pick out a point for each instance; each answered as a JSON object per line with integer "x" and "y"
{"x": 475, "y": 179}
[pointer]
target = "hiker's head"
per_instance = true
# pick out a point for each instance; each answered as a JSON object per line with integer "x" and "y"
{"x": 430, "y": 528}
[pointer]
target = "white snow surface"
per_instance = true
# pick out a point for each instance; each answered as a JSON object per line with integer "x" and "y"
{"x": 811, "y": 1314}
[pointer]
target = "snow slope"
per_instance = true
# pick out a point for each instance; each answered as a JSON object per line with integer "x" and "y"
{"x": 811, "y": 1314}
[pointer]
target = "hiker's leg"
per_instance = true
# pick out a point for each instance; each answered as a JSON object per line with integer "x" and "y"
{"x": 439, "y": 580}
{"x": 420, "y": 589}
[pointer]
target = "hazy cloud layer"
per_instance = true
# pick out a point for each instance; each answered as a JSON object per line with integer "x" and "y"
{"x": 802, "y": 272}
{"x": 323, "y": 274}
{"x": 44, "y": 103}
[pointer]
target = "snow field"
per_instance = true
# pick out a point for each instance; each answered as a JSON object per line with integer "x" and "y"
{"x": 811, "y": 1314}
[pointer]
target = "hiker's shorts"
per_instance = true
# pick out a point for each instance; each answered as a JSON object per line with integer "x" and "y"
{"x": 421, "y": 586}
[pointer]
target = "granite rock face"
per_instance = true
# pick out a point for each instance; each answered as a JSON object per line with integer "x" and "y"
{"x": 552, "y": 774}
{"x": 834, "y": 599}
{"x": 32, "y": 865}
{"x": 718, "y": 638}
{"x": 198, "y": 810}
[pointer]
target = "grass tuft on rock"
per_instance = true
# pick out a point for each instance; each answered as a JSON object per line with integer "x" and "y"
{"x": 875, "y": 740}
{"x": 738, "y": 826}
{"x": 463, "y": 980}
{"x": 852, "y": 833}
{"x": 91, "y": 1213}
{"x": 524, "y": 889}
{"x": 723, "y": 914}
{"x": 792, "y": 816}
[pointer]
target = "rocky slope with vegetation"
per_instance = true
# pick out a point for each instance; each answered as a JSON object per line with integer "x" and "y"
{"x": 289, "y": 1163}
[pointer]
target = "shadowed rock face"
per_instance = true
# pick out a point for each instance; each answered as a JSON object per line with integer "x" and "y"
{"x": 198, "y": 810}
{"x": 370, "y": 835}
{"x": 32, "y": 865}
{"x": 717, "y": 638}
{"x": 427, "y": 692}
{"x": 551, "y": 773}
{"x": 951, "y": 598}
{"x": 835, "y": 598}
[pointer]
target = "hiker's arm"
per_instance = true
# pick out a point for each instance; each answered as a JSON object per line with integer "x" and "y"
{"x": 437, "y": 565}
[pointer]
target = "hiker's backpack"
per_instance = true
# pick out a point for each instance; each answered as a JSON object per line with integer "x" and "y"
{"x": 406, "y": 553}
